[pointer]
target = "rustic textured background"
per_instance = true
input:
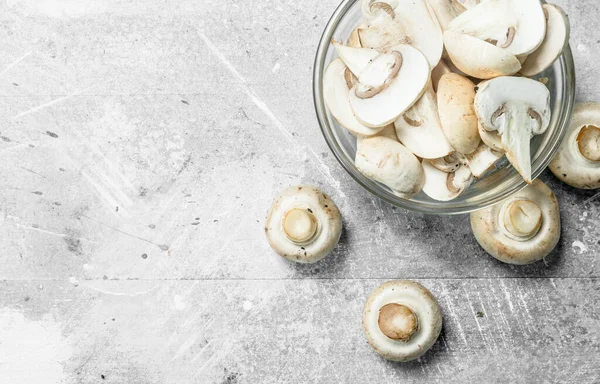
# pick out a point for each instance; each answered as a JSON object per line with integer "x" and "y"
{"x": 142, "y": 143}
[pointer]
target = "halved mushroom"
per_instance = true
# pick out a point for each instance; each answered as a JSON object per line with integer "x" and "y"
{"x": 420, "y": 130}
{"x": 557, "y": 38}
{"x": 401, "y": 320}
{"x": 518, "y": 108}
{"x": 577, "y": 162}
{"x": 455, "y": 104}
{"x": 491, "y": 138}
{"x": 443, "y": 186}
{"x": 303, "y": 225}
{"x": 436, "y": 74}
{"x": 336, "y": 92}
{"x": 390, "y": 163}
{"x": 517, "y": 25}
{"x": 414, "y": 24}
{"x": 484, "y": 158}
{"x": 402, "y": 87}
{"x": 521, "y": 230}
{"x": 479, "y": 58}
{"x": 446, "y": 11}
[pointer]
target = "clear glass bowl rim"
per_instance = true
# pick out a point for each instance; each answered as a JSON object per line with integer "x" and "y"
{"x": 442, "y": 208}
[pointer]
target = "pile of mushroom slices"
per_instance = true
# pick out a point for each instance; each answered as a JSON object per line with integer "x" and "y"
{"x": 436, "y": 94}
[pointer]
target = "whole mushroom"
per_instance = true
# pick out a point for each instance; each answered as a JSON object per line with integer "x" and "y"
{"x": 303, "y": 224}
{"x": 521, "y": 230}
{"x": 401, "y": 320}
{"x": 577, "y": 162}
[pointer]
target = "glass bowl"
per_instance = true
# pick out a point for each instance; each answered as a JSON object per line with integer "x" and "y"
{"x": 496, "y": 185}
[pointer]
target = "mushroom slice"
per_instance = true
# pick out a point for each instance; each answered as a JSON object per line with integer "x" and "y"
{"x": 336, "y": 94}
{"x": 450, "y": 163}
{"x": 373, "y": 9}
{"x": 577, "y": 162}
{"x": 356, "y": 59}
{"x": 518, "y": 108}
{"x": 420, "y": 130}
{"x": 416, "y": 25}
{"x": 455, "y": 104}
{"x": 303, "y": 225}
{"x": 517, "y": 25}
{"x": 390, "y": 163}
{"x": 402, "y": 92}
{"x": 354, "y": 39}
{"x": 446, "y": 11}
{"x": 401, "y": 320}
{"x": 443, "y": 186}
{"x": 491, "y": 139}
{"x": 521, "y": 230}
{"x": 383, "y": 32}
{"x": 557, "y": 38}
{"x": 436, "y": 74}
{"x": 482, "y": 160}
{"x": 478, "y": 58}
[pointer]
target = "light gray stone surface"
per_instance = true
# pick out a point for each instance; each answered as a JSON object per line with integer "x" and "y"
{"x": 143, "y": 142}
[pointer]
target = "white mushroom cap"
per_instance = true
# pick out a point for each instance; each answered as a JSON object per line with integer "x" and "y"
{"x": 455, "y": 104}
{"x": 482, "y": 160}
{"x": 443, "y": 186}
{"x": 478, "y": 58}
{"x": 336, "y": 94}
{"x": 446, "y": 11}
{"x": 577, "y": 162}
{"x": 517, "y": 25}
{"x": 303, "y": 225}
{"x": 390, "y": 163}
{"x": 516, "y": 107}
{"x": 401, "y": 320}
{"x": 557, "y": 38}
{"x": 420, "y": 130}
{"x": 490, "y": 138}
{"x": 521, "y": 230}
{"x": 400, "y": 94}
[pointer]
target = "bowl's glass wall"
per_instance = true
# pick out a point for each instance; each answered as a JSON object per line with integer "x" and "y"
{"x": 498, "y": 184}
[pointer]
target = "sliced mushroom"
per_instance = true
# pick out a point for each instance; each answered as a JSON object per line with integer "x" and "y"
{"x": 420, "y": 130}
{"x": 478, "y": 58}
{"x": 517, "y": 25}
{"x": 436, "y": 74}
{"x": 450, "y": 163}
{"x": 401, "y": 320}
{"x": 518, "y": 108}
{"x": 356, "y": 59}
{"x": 557, "y": 38}
{"x": 336, "y": 92}
{"x": 468, "y": 4}
{"x": 455, "y": 104}
{"x": 446, "y": 11}
{"x": 390, "y": 163}
{"x": 491, "y": 139}
{"x": 521, "y": 230}
{"x": 383, "y": 32}
{"x": 401, "y": 93}
{"x": 484, "y": 158}
{"x": 354, "y": 39}
{"x": 303, "y": 225}
{"x": 415, "y": 23}
{"x": 443, "y": 186}
{"x": 577, "y": 162}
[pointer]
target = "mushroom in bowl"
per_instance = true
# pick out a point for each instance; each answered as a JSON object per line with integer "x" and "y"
{"x": 401, "y": 320}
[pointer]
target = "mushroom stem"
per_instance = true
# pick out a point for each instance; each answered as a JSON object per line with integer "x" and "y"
{"x": 398, "y": 322}
{"x": 523, "y": 219}
{"x": 300, "y": 225}
{"x": 588, "y": 142}
{"x": 516, "y": 140}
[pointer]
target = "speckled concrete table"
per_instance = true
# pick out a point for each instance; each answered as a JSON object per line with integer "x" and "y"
{"x": 142, "y": 143}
